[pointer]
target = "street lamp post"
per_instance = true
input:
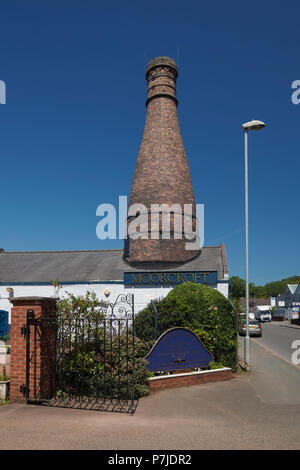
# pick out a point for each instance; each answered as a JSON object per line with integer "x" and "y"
{"x": 248, "y": 126}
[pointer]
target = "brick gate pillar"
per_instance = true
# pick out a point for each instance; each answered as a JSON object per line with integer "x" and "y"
{"x": 41, "y": 344}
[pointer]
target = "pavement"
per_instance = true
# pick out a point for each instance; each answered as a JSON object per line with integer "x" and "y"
{"x": 273, "y": 378}
{"x": 286, "y": 323}
{"x": 257, "y": 410}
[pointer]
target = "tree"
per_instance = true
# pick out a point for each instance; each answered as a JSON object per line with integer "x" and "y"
{"x": 271, "y": 289}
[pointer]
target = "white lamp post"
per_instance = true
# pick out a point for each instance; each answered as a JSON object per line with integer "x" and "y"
{"x": 248, "y": 126}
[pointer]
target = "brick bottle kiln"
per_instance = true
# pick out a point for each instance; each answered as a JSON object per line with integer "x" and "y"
{"x": 162, "y": 174}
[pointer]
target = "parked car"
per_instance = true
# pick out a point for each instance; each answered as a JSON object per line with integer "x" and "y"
{"x": 255, "y": 328}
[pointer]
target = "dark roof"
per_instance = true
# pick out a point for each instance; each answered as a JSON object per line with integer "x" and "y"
{"x": 93, "y": 265}
{"x": 255, "y": 301}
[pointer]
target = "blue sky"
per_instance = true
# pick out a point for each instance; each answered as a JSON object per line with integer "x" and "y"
{"x": 71, "y": 129}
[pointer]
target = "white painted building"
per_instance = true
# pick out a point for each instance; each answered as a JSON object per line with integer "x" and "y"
{"x": 24, "y": 274}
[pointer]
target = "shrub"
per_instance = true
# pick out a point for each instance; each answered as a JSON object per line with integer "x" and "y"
{"x": 202, "y": 309}
{"x": 106, "y": 374}
{"x": 215, "y": 365}
{"x": 96, "y": 360}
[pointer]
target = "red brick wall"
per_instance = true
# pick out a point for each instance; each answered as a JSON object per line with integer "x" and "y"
{"x": 185, "y": 380}
{"x": 42, "y": 348}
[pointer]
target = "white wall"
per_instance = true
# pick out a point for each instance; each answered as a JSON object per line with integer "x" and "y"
{"x": 142, "y": 295}
{"x": 223, "y": 287}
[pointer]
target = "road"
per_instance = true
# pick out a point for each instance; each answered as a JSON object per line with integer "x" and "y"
{"x": 274, "y": 377}
{"x": 278, "y": 338}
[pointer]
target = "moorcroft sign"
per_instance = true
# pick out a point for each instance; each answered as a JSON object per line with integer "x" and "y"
{"x": 170, "y": 278}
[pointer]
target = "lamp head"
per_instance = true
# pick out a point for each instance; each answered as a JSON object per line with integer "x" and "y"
{"x": 253, "y": 125}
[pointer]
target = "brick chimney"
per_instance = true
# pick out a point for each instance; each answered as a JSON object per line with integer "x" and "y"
{"x": 162, "y": 173}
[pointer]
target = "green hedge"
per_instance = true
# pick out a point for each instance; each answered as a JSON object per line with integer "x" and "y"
{"x": 198, "y": 307}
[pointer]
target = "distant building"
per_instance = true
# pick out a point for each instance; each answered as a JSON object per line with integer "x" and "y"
{"x": 290, "y": 297}
{"x": 280, "y": 301}
{"x": 267, "y": 302}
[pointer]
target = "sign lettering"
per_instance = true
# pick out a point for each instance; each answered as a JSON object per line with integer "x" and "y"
{"x": 170, "y": 278}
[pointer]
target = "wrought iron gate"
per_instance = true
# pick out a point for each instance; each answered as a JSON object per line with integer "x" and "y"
{"x": 85, "y": 362}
